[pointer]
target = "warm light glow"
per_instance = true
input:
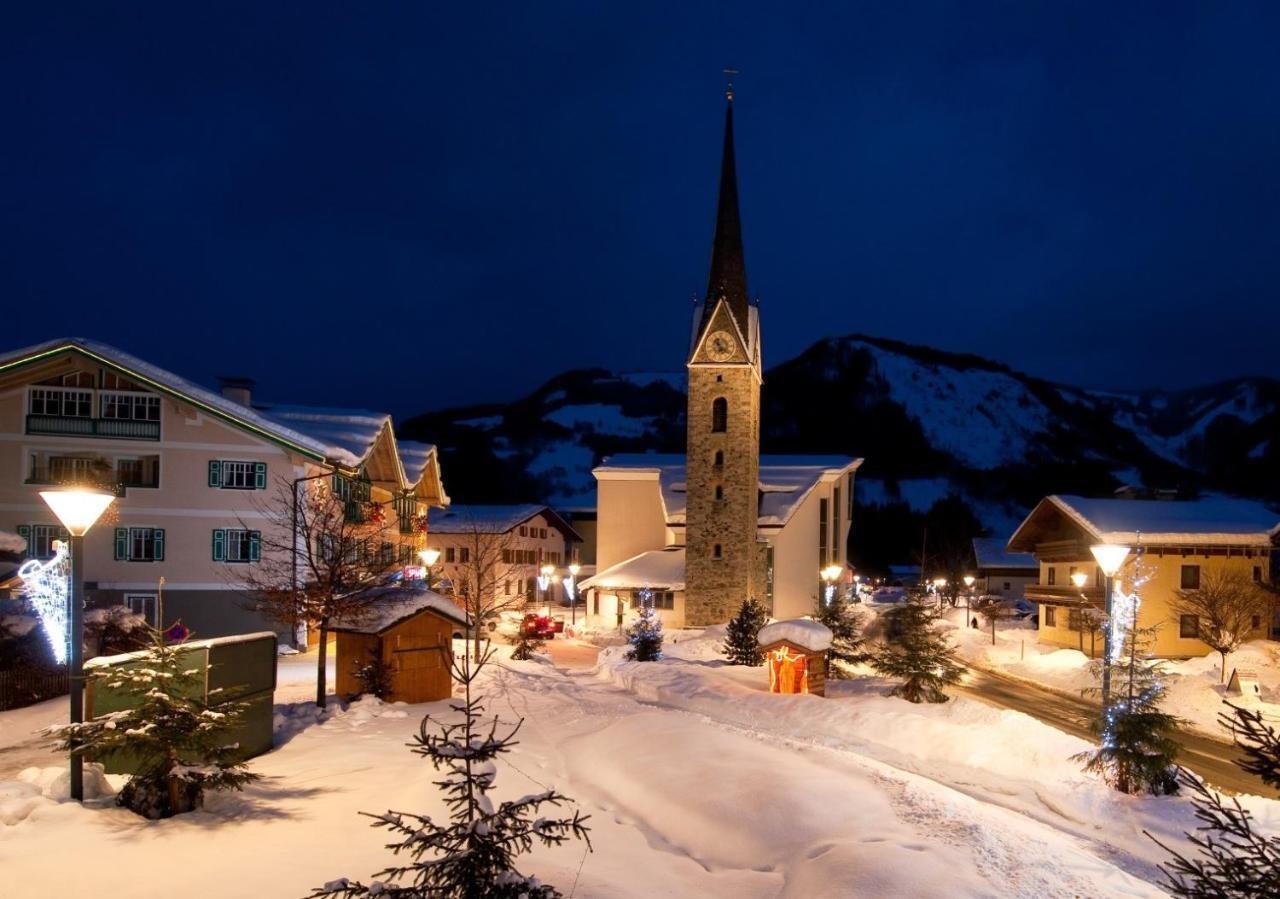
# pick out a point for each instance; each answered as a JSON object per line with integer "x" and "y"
{"x": 46, "y": 588}
{"x": 1078, "y": 579}
{"x": 548, "y": 570}
{"x": 1110, "y": 557}
{"x": 429, "y": 557}
{"x": 968, "y": 580}
{"x": 831, "y": 573}
{"x": 77, "y": 508}
{"x": 574, "y": 568}
{"x": 939, "y": 582}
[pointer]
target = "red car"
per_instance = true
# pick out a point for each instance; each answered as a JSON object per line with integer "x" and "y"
{"x": 541, "y": 625}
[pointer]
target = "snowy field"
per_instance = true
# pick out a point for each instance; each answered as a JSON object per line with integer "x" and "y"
{"x": 1195, "y": 693}
{"x": 698, "y": 783}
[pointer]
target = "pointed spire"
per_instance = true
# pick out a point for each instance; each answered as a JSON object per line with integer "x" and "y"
{"x": 728, "y": 276}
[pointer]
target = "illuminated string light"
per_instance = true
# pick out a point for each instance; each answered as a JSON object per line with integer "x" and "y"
{"x": 47, "y": 587}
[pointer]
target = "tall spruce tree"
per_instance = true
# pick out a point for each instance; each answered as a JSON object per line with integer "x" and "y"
{"x": 1232, "y": 860}
{"x": 645, "y": 633}
{"x": 845, "y": 623}
{"x": 923, "y": 657}
{"x": 473, "y": 855}
{"x": 181, "y": 746}
{"x": 741, "y": 645}
{"x": 1136, "y": 750}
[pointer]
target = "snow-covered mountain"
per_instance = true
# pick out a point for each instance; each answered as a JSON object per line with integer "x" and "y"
{"x": 930, "y": 424}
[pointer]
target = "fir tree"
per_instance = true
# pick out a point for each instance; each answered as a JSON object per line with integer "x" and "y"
{"x": 922, "y": 656}
{"x": 472, "y": 856}
{"x": 179, "y": 744}
{"x": 375, "y": 676}
{"x": 1233, "y": 861}
{"x": 845, "y": 624}
{"x": 740, "y": 643}
{"x": 645, "y": 633}
{"x": 527, "y": 641}
{"x": 1136, "y": 750}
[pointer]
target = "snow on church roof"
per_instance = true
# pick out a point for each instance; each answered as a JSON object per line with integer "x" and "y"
{"x": 803, "y": 632}
{"x": 347, "y": 434}
{"x": 784, "y": 480}
{"x": 1215, "y": 520}
{"x": 167, "y": 380}
{"x": 659, "y": 569}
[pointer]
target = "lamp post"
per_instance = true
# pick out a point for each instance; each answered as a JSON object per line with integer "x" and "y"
{"x": 571, "y": 587}
{"x": 939, "y": 583}
{"x": 544, "y": 581}
{"x": 829, "y": 576}
{"x": 1109, "y": 557}
{"x": 77, "y": 509}
{"x": 968, "y": 596}
{"x": 429, "y": 559}
{"x": 1079, "y": 579}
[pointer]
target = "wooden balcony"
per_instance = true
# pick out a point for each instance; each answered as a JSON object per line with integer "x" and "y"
{"x": 72, "y": 426}
{"x": 1068, "y": 594}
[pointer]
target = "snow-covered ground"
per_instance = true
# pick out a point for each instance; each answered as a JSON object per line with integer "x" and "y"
{"x": 1195, "y": 693}
{"x": 699, "y": 783}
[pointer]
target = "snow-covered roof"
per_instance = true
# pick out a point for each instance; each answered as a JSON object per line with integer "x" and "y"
{"x": 414, "y": 457}
{"x": 803, "y": 632}
{"x": 659, "y": 569}
{"x": 101, "y": 661}
{"x": 346, "y": 434}
{"x": 397, "y": 604}
{"x": 494, "y": 519}
{"x": 784, "y": 480}
{"x": 12, "y": 543}
{"x": 167, "y": 382}
{"x": 993, "y": 552}
{"x": 1215, "y": 520}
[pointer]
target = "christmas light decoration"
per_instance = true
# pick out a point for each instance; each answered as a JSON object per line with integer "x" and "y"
{"x": 47, "y": 586}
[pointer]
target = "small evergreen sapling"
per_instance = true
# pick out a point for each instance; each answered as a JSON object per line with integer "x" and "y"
{"x": 375, "y": 676}
{"x": 741, "y": 645}
{"x": 527, "y": 641}
{"x": 920, "y": 655}
{"x": 1136, "y": 751}
{"x": 645, "y": 633}
{"x": 845, "y": 624}
{"x": 179, "y": 743}
{"x": 1233, "y": 861}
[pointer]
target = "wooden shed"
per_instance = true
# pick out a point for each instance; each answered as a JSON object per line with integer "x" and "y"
{"x": 411, "y": 630}
{"x": 795, "y": 652}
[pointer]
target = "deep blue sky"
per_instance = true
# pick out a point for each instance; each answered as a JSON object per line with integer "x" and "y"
{"x": 412, "y": 205}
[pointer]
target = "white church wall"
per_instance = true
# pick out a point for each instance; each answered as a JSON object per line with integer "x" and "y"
{"x": 631, "y": 518}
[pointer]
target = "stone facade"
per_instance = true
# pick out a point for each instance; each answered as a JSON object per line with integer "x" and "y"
{"x": 722, "y": 489}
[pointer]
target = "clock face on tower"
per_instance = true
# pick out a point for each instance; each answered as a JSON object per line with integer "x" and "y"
{"x": 720, "y": 346}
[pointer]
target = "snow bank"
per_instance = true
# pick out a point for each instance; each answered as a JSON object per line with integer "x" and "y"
{"x": 812, "y": 635}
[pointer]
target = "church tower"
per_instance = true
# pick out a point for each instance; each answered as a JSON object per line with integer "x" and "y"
{"x": 724, "y": 560}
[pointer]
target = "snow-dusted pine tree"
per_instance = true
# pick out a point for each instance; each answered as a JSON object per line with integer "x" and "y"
{"x": 1233, "y": 861}
{"x": 917, "y": 653}
{"x": 846, "y": 634}
{"x": 472, "y": 856}
{"x": 375, "y": 676}
{"x": 645, "y": 633}
{"x": 1136, "y": 750}
{"x": 179, "y": 743}
{"x": 740, "y": 643}
{"x": 527, "y": 641}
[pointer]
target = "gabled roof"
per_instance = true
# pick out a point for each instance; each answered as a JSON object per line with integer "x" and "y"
{"x": 398, "y": 604}
{"x": 494, "y": 520}
{"x": 1216, "y": 520}
{"x": 347, "y": 434}
{"x": 169, "y": 384}
{"x": 658, "y": 569}
{"x": 418, "y": 462}
{"x": 992, "y": 552}
{"x": 785, "y": 481}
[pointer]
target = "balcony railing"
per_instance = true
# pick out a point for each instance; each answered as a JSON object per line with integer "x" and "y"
{"x": 44, "y": 478}
{"x": 118, "y": 428}
{"x": 1065, "y": 594}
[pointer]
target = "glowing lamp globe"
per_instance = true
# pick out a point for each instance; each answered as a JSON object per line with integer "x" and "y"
{"x": 429, "y": 557}
{"x": 1079, "y": 578}
{"x": 574, "y": 568}
{"x": 968, "y": 580}
{"x": 831, "y": 572}
{"x": 1110, "y": 557}
{"x": 77, "y": 508}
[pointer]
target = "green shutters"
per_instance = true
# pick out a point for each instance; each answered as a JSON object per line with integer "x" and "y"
{"x": 219, "y": 545}
{"x": 234, "y": 474}
{"x": 255, "y": 545}
{"x": 24, "y": 531}
{"x": 157, "y": 535}
{"x": 259, "y": 475}
{"x": 236, "y": 545}
{"x": 122, "y": 545}
{"x": 215, "y": 472}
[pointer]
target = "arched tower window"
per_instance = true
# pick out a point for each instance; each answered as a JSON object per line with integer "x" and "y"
{"x": 717, "y": 552}
{"x": 719, "y": 492}
{"x": 718, "y": 459}
{"x": 720, "y": 415}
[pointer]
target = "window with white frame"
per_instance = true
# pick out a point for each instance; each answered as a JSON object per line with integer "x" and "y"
{"x": 236, "y": 474}
{"x": 139, "y": 544}
{"x": 40, "y": 539}
{"x": 130, "y": 406}
{"x": 61, "y": 401}
{"x": 237, "y": 545}
{"x": 144, "y": 604}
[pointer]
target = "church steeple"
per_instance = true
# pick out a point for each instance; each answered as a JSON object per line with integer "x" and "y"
{"x": 728, "y": 275}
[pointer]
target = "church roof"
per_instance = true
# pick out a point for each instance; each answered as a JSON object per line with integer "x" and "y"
{"x": 658, "y": 569}
{"x": 785, "y": 481}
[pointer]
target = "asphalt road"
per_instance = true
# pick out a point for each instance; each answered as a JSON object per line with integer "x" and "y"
{"x": 1213, "y": 760}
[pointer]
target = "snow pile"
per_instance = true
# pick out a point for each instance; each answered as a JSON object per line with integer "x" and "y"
{"x": 37, "y": 787}
{"x": 804, "y": 632}
{"x": 660, "y": 569}
{"x": 12, "y": 543}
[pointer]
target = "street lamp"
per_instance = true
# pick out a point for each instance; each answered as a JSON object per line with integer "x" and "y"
{"x": 77, "y": 508}
{"x": 571, "y": 587}
{"x": 429, "y": 559}
{"x": 1079, "y": 578}
{"x": 968, "y": 594}
{"x": 829, "y": 576}
{"x": 544, "y": 581}
{"x": 938, "y": 584}
{"x": 1109, "y": 557}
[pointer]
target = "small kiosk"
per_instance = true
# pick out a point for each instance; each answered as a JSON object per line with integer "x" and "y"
{"x": 795, "y": 652}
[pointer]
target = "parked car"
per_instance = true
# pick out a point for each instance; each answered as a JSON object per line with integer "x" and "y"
{"x": 540, "y": 625}
{"x": 889, "y": 594}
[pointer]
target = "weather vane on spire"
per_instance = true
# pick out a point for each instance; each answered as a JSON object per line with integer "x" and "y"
{"x": 728, "y": 88}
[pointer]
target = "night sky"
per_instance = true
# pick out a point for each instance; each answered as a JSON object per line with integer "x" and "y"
{"x": 408, "y": 206}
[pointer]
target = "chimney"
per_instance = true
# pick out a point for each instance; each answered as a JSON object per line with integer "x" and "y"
{"x": 238, "y": 390}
